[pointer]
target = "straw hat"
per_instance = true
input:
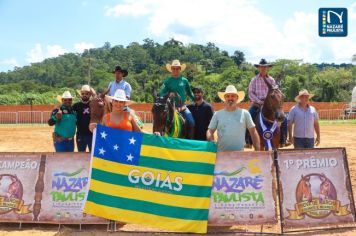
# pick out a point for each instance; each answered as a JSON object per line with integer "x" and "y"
{"x": 120, "y": 95}
{"x": 176, "y": 63}
{"x": 230, "y": 89}
{"x": 303, "y": 92}
{"x": 65, "y": 95}
{"x": 86, "y": 88}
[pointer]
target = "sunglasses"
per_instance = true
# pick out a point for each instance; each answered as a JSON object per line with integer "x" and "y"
{"x": 67, "y": 100}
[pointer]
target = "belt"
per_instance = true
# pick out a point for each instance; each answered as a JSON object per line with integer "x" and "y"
{"x": 59, "y": 138}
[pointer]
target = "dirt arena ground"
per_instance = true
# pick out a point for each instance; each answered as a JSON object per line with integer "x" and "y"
{"x": 38, "y": 139}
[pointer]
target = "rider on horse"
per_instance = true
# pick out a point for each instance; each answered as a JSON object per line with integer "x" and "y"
{"x": 257, "y": 92}
{"x": 179, "y": 86}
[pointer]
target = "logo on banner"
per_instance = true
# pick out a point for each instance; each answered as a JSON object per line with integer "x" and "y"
{"x": 316, "y": 197}
{"x": 332, "y": 22}
{"x": 11, "y": 193}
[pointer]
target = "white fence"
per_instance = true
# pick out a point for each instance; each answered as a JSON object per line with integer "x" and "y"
{"x": 41, "y": 117}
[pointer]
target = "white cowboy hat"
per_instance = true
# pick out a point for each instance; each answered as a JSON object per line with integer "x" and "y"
{"x": 230, "y": 89}
{"x": 177, "y": 64}
{"x": 120, "y": 95}
{"x": 65, "y": 95}
{"x": 303, "y": 92}
{"x": 86, "y": 88}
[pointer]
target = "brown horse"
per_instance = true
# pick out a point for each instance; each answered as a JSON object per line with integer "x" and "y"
{"x": 270, "y": 116}
{"x": 303, "y": 191}
{"x": 98, "y": 108}
{"x": 166, "y": 119}
{"x": 327, "y": 189}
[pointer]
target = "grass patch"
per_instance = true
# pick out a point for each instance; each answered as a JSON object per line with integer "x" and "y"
{"x": 338, "y": 122}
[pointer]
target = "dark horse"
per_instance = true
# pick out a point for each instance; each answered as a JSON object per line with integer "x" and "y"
{"x": 166, "y": 119}
{"x": 269, "y": 118}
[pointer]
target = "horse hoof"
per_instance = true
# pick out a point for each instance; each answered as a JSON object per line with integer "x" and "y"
{"x": 248, "y": 146}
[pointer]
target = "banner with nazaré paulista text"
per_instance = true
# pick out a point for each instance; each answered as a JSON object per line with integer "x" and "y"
{"x": 243, "y": 190}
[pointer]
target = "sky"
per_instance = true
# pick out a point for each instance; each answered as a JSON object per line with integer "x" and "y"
{"x": 273, "y": 29}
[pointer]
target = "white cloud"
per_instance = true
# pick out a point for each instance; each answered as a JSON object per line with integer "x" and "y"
{"x": 80, "y": 47}
{"x": 38, "y": 53}
{"x": 10, "y": 62}
{"x": 239, "y": 24}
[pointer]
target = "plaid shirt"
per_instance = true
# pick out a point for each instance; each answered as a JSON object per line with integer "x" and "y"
{"x": 258, "y": 89}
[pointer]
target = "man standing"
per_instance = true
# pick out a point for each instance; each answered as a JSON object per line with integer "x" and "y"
{"x": 64, "y": 120}
{"x": 84, "y": 136}
{"x": 232, "y": 122}
{"x": 257, "y": 91}
{"x": 179, "y": 86}
{"x": 119, "y": 83}
{"x": 305, "y": 120}
{"x": 202, "y": 114}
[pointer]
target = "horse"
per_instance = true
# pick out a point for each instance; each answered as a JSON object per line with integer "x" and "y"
{"x": 166, "y": 119}
{"x": 269, "y": 118}
{"x": 303, "y": 191}
{"x": 327, "y": 189}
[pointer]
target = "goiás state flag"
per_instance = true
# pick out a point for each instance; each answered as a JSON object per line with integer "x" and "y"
{"x": 151, "y": 180}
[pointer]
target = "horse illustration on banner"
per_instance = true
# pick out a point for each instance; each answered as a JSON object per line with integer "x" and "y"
{"x": 316, "y": 197}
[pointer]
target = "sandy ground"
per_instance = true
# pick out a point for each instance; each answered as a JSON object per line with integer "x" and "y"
{"x": 38, "y": 139}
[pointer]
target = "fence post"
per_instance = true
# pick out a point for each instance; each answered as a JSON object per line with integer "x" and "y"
{"x": 17, "y": 117}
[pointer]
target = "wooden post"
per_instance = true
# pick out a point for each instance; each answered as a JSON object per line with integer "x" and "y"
{"x": 39, "y": 188}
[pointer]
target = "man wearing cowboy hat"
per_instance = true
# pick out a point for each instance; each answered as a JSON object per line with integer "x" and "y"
{"x": 178, "y": 86}
{"x": 64, "y": 120}
{"x": 119, "y": 83}
{"x": 84, "y": 135}
{"x": 258, "y": 90}
{"x": 232, "y": 122}
{"x": 305, "y": 120}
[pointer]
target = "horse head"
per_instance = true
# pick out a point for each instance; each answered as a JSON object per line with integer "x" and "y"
{"x": 327, "y": 190}
{"x": 97, "y": 108}
{"x": 303, "y": 191}
{"x": 274, "y": 103}
{"x": 161, "y": 110}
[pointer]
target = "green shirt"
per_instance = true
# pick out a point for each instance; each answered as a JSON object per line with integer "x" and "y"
{"x": 231, "y": 127}
{"x": 178, "y": 85}
{"x": 65, "y": 127}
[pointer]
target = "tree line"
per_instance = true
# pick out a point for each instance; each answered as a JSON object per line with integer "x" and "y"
{"x": 207, "y": 66}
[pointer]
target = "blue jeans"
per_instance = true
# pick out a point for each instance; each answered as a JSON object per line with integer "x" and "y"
{"x": 64, "y": 146}
{"x": 254, "y": 112}
{"x": 188, "y": 116}
{"x": 303, "y": 142}
{"x": 84, "y": 141}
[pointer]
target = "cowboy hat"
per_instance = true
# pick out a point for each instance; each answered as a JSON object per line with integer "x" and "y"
{"x": 86, "y": 88}
{"x": 65, "y": 95}
{"x": 303, "y": 92}
{"x": 230, "y": 89}
{"x": 263, "y": 63}
{"x": 120, "y": 95}
{"x": 175, "y": 63}
{"x": 123, "y": 71}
